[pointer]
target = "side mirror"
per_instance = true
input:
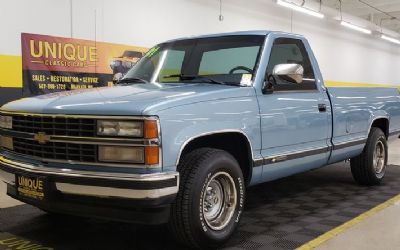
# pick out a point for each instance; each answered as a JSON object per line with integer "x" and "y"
{"x": 268, "y": 85}
{"x": 290, "y": 72}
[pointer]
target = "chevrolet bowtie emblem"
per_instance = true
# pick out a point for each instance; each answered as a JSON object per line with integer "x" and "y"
{"x": 41, "y": 137}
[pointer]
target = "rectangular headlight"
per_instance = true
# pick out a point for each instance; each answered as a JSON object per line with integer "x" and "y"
{"x": 5, "y": 121}
{"x": 120, "y": 128}
{"x": 121, "y": 154}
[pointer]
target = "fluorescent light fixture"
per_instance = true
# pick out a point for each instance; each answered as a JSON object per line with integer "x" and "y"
{"x": 300, "y": 9}
{"x": 390, "y": 39}
{"x": 355, "y": 27}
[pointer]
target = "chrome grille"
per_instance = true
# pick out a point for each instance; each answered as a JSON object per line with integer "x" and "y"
{"x": 57, "y": 150}
{"x": 61, "y": 138}
{"x": 63, "y": 126}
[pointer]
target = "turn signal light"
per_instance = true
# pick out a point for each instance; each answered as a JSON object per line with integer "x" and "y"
{"x": 150, "y": 129}
{"x": 151, "y": 155}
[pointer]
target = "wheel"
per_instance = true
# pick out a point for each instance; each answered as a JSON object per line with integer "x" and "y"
{"x": 210, "y": 200}
{"x": 370, "y": 166}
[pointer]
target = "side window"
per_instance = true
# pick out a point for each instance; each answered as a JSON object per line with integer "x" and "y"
{"x": 288, "y": 50}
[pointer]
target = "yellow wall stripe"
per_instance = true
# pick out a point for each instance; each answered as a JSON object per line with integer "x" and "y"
{"x": 329, "y": 83}
{"x": 10, "y": 71}
{"x": 332, "y": 233}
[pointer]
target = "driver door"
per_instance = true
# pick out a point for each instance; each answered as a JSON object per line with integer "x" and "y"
{"x": 295, "y": 117}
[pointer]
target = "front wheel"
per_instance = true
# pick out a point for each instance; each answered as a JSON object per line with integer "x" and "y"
{"x": 210, "y": 200}
{"x": 369, "y": 168}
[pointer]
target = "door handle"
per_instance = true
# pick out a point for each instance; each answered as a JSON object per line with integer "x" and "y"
{"x": 322, "y": 107}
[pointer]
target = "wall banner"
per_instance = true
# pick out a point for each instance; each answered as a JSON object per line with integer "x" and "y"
{"x": 52, "y": 64}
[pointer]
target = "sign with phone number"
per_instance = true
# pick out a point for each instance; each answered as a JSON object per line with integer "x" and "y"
{"x": 53, "y": 64}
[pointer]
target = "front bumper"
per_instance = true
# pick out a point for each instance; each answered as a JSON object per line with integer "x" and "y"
{"x": 116, "y": 196}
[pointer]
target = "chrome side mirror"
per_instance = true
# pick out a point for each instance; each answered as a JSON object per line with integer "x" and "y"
{"x": 290, "y": 72}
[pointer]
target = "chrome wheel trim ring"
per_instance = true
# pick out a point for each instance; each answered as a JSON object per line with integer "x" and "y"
{"x": 379, "y": 158}
{"x": 219, "y": 201}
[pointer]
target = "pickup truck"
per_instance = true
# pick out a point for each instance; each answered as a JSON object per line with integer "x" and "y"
{"x": 188, "y": 128}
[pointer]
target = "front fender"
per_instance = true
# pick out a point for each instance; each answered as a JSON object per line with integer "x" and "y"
{"x": 181, "y": 124}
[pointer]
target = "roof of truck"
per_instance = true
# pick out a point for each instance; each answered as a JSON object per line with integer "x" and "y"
{"x": 236, "y": 33}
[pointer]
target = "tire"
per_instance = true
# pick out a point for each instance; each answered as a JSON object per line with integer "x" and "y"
{"x": 200, "y": 217}
{"x": 370, "y": 166}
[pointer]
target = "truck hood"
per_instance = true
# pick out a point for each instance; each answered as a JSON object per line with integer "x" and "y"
{"x": 137, "y": 99}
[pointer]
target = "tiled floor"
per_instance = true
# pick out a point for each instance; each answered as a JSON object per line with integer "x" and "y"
{"x": 282, "y": 214}
{"x": 380, "y": 231}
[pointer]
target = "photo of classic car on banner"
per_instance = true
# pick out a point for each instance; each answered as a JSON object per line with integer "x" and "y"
{"x": 121, "y": 64}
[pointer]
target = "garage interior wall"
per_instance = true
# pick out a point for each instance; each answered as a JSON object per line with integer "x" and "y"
{"x": 344, "y": 55}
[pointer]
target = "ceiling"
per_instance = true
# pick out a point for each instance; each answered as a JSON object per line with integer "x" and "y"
{"x": 373, "y": 12}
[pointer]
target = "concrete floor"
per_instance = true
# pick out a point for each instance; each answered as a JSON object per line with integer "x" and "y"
{"x": 5, "y": 200}
{"x": 380, "y": 231}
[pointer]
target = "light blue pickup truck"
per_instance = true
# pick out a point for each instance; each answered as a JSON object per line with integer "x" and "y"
{"x": 187, "y": 129}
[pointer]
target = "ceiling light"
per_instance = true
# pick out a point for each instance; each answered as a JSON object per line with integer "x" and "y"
{"x": 355, "y": 27}
{"x": 390, "y": 39}
{"x": 300, "y": 9}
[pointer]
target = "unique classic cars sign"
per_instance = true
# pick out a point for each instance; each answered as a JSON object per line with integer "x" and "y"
{"x": 52, "y": 64}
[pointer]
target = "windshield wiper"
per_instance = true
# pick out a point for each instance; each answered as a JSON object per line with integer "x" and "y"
{"x": 132, "y": 80}
{"x": 206, "y": 78}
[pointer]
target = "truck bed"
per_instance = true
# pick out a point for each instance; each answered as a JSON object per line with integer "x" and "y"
{"x": 354, "y": 109}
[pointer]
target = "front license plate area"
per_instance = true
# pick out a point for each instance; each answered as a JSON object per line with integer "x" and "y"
{"x": 31, "y": 187}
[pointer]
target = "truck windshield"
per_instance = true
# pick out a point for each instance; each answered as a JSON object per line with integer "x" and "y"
{"x": 227, "y": 60}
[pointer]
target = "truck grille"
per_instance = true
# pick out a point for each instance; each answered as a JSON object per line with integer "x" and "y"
{"x": 57, "y": 150}
{"x": 82, "y": 127}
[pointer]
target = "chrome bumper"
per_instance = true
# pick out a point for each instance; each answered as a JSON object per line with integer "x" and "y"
{"x": 96, "y": 184}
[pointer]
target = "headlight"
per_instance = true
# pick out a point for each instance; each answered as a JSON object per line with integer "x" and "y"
{"x": 147, "y": 129}
{"x": 115, "y": 63}
{"x": 6, "y": 122}
{"x": 120, "y": 128}
{"x": 121, "y": 154}
{"x": 149, "y": 155}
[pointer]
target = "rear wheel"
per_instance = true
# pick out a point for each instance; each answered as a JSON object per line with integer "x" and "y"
{"x": 210, "y": 200}
{"x": 370, "y": 166}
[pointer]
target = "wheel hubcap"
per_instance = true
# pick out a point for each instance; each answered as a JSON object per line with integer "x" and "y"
{"x": 219, "y": 200}
{"x": 379, "y": 157}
